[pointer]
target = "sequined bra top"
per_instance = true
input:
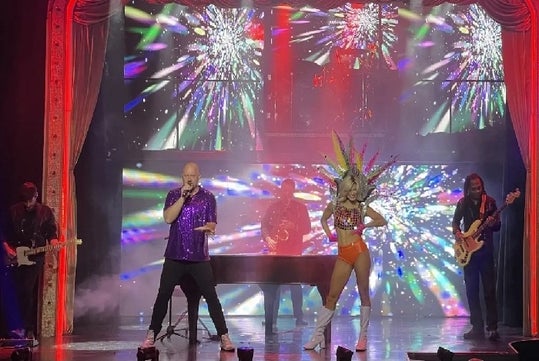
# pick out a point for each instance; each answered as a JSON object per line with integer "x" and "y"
{"x": 345, "y": 218}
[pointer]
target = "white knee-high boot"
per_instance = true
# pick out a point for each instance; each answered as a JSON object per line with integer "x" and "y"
{"x": 365, "y": 313}
{"x": 324, "y": 318}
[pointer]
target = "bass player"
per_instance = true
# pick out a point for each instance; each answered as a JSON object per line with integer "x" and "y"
{"x": 477, "y": 205}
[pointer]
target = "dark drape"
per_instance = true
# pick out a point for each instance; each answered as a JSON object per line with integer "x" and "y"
{"x": 89, "y": 37}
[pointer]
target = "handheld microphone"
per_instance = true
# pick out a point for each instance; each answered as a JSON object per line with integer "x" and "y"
{"x": 187, "y": 192}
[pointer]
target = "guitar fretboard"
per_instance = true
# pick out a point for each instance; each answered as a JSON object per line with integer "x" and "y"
{"x": 50, "y": 247}
{"x": 481, "y": 228}
{"x": 41, "y": 249}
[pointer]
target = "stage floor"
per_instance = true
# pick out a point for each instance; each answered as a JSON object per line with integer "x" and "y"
{"x": 392, "y": 339}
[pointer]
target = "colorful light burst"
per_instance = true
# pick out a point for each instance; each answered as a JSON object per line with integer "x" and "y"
{"x": 369, "y": 29}
{"x": 351, "y": 44}
{"x": 470, "y": 72}
{"x": 196, "y": 78}
{"x": 413, "y": 270}
{"x": 207, "y": 63}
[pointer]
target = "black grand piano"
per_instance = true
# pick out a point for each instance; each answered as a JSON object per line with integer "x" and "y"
{"x": 314, "y": 270}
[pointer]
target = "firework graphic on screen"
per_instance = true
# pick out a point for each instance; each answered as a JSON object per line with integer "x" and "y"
{"x": 346, "y": 51}
{"x": 413, "y": 270}
{"x": 194, "y": 76}
{"x": 469, "y": 73}
{"x": 369, "y": 29}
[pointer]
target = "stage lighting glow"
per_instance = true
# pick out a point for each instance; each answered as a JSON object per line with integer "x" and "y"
{"x": 196, "y": 77}
{"x": 370, "y": 27}
{"x": 470, "y": 73}
{"x": 207, "y": 63}
{"x": 413, "y": 269}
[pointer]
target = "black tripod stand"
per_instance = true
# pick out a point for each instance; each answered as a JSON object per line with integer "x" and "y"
{"x": 171, "y": 329}
{"x": 193, "y": 300}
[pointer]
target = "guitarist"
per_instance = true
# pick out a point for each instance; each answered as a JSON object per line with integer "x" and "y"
{"x": 477, "y": 205}
{"x": 30, "y": 224}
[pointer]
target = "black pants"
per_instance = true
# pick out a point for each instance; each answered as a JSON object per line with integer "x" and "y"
{"x": 19, "y": 297}
{"x": 202, "y": 273}
{"x": 7, "y": 295}
{"x": 296, "y": 295}
{"x": 192, "y": 293}
{"x": 481, "y": 269}
{"x": 272, "y": 294}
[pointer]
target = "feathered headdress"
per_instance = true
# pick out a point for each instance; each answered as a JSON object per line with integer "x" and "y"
{"x": 351, "y": 161}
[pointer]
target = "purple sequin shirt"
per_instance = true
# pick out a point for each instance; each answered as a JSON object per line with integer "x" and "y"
{"x": 184, "y": 243}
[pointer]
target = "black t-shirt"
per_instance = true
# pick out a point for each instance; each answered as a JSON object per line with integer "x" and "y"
{"x": 31, "y": 227}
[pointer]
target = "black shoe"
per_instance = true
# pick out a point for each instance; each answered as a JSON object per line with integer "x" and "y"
{"x": 301, "y": 322}
{"x": 493, "y": 335}
{"x": 474, "y": 334}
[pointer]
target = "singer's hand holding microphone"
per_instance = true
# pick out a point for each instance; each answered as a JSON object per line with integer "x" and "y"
{"x": 187, "y": 191}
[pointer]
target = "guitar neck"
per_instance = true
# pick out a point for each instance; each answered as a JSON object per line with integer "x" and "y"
{"x": 50, "y": 247}
{"x": 484, "y": 224}
{"x": 41, "y": 249}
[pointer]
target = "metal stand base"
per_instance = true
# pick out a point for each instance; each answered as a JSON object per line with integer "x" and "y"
{"x": 191, "y": 331}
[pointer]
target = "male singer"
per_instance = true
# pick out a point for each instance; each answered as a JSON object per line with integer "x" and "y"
{"x": 191, "y": 212}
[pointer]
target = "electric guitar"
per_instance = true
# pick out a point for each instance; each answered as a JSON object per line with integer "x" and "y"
{"x": 24, "y": 252}
{"x": 469, "y": 242}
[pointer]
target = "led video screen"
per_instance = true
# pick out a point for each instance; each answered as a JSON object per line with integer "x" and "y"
{"x": 194, "y": 77}
{"x": 413, "y": 270}
{"x": 208, "y": 79}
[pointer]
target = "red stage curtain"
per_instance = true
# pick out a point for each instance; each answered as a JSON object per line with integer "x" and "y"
{"x": 511, "y": 14}
{"x": 517, "y": 48}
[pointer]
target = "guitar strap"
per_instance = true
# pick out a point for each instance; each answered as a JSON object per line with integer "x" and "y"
{"x": 482, "y": 206}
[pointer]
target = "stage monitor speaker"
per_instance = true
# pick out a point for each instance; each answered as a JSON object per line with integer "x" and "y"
{"x": 344, "y": 354}
{"x": 527, "y": 349}
{"x": 21, "y": 354}
{"x": 245, "y": 353}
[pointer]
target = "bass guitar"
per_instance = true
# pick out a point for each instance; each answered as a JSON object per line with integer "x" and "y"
{"x": 24, "y": 252}
{"x": 469, "y": 242}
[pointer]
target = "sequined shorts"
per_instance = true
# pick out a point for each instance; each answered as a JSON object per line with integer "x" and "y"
{"x": 350, "y": 253}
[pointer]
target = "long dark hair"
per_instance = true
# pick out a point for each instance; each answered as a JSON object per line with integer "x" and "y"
{"x": 467, "y": 182}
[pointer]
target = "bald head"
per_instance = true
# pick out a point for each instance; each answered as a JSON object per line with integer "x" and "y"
{"x": 191, "y": 174}
{"x": 191, "y": 167}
